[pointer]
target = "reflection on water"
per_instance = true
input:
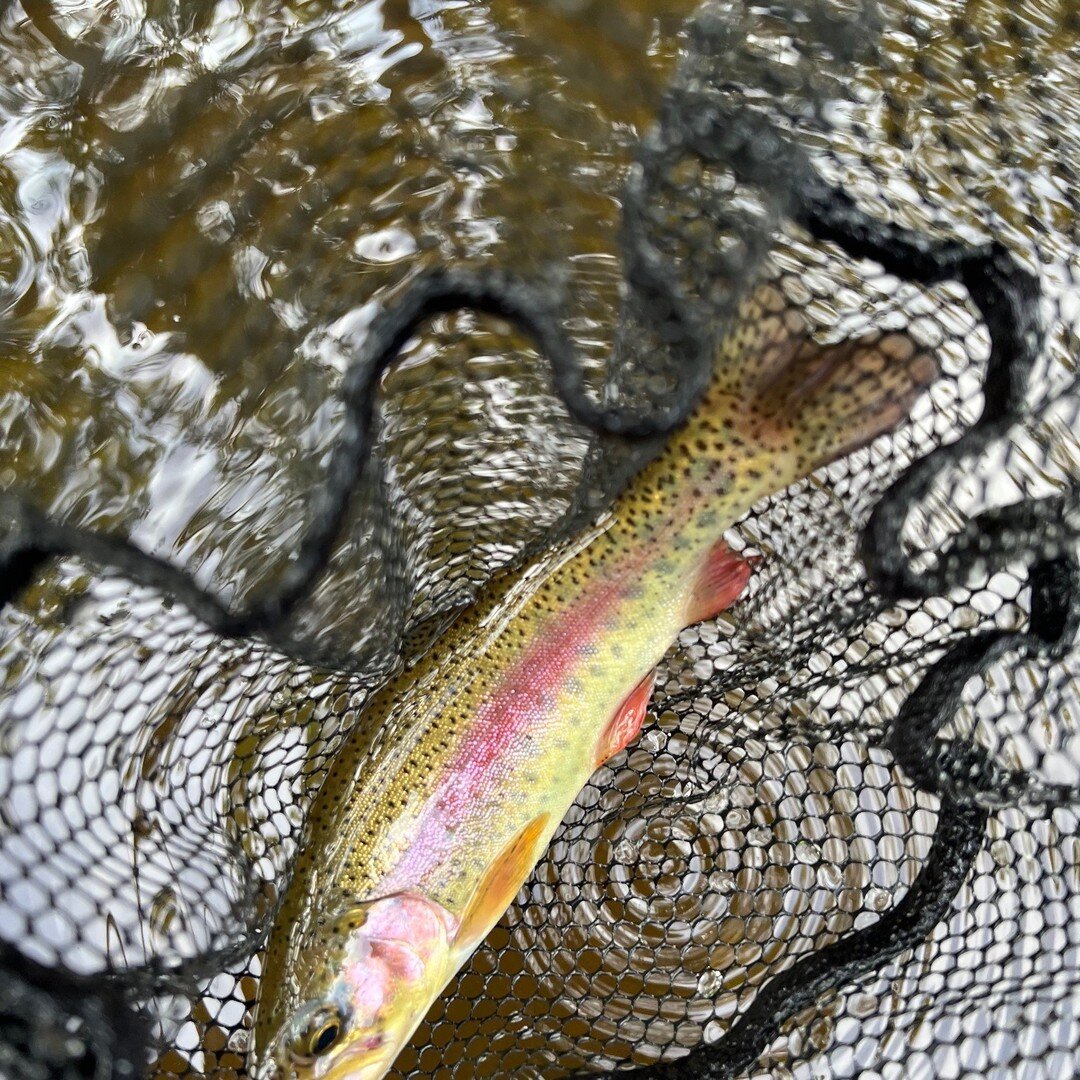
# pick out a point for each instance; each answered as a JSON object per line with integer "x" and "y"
{"x": 202, "y": 207}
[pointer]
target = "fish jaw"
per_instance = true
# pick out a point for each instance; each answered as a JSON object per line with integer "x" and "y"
{"x": 360, "y": 1065}
{"x": 380, "y": 964}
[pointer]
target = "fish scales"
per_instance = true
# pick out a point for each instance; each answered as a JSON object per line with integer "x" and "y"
{"x": 442, "y": 800}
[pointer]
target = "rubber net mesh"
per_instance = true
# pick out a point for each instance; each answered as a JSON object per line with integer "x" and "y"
{"x": 338, "y": 309}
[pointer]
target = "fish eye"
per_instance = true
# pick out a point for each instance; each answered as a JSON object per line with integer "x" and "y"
{"x": 320, "y": 1032}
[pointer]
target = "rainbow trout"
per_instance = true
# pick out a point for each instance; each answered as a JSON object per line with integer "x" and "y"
{"x": 442, "y": 800}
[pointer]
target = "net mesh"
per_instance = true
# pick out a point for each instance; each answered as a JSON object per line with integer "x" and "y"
{"x": 258, "y": 321}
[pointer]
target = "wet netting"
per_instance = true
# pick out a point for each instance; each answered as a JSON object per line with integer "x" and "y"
{"x": 316, "y": 316}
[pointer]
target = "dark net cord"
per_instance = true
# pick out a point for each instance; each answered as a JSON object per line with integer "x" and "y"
{"x": 1041, "y": 536}
{"x": 960, "y": 835}
{"x": 31, "y": 537}
{"x": 926, "y": 903}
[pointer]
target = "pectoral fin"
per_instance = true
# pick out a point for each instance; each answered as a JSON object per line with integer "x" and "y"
{"x": 500, "y": 884}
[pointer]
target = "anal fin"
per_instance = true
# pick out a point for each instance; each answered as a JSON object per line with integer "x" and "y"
{"x": 720, "y": 582}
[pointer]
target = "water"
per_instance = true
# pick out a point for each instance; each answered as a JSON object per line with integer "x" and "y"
{"x": 202, "y": 206}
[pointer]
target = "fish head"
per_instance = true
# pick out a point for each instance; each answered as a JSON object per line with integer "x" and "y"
{"x": 367, "y": 979}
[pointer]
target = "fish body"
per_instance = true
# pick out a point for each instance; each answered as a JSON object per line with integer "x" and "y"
{"x": 447, "y": 793}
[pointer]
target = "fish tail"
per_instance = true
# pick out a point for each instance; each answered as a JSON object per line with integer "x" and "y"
{"x": 846, "y": 395}
{"x": 819, "y": 402}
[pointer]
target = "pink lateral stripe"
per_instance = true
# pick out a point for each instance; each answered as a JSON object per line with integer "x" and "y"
{"x": 526, "y": 693}
{"x": 521, "y": 700}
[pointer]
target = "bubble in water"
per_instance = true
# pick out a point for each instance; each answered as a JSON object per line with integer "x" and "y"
{"x": 878, "y": 900}
{"x": 722, "y": 881}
